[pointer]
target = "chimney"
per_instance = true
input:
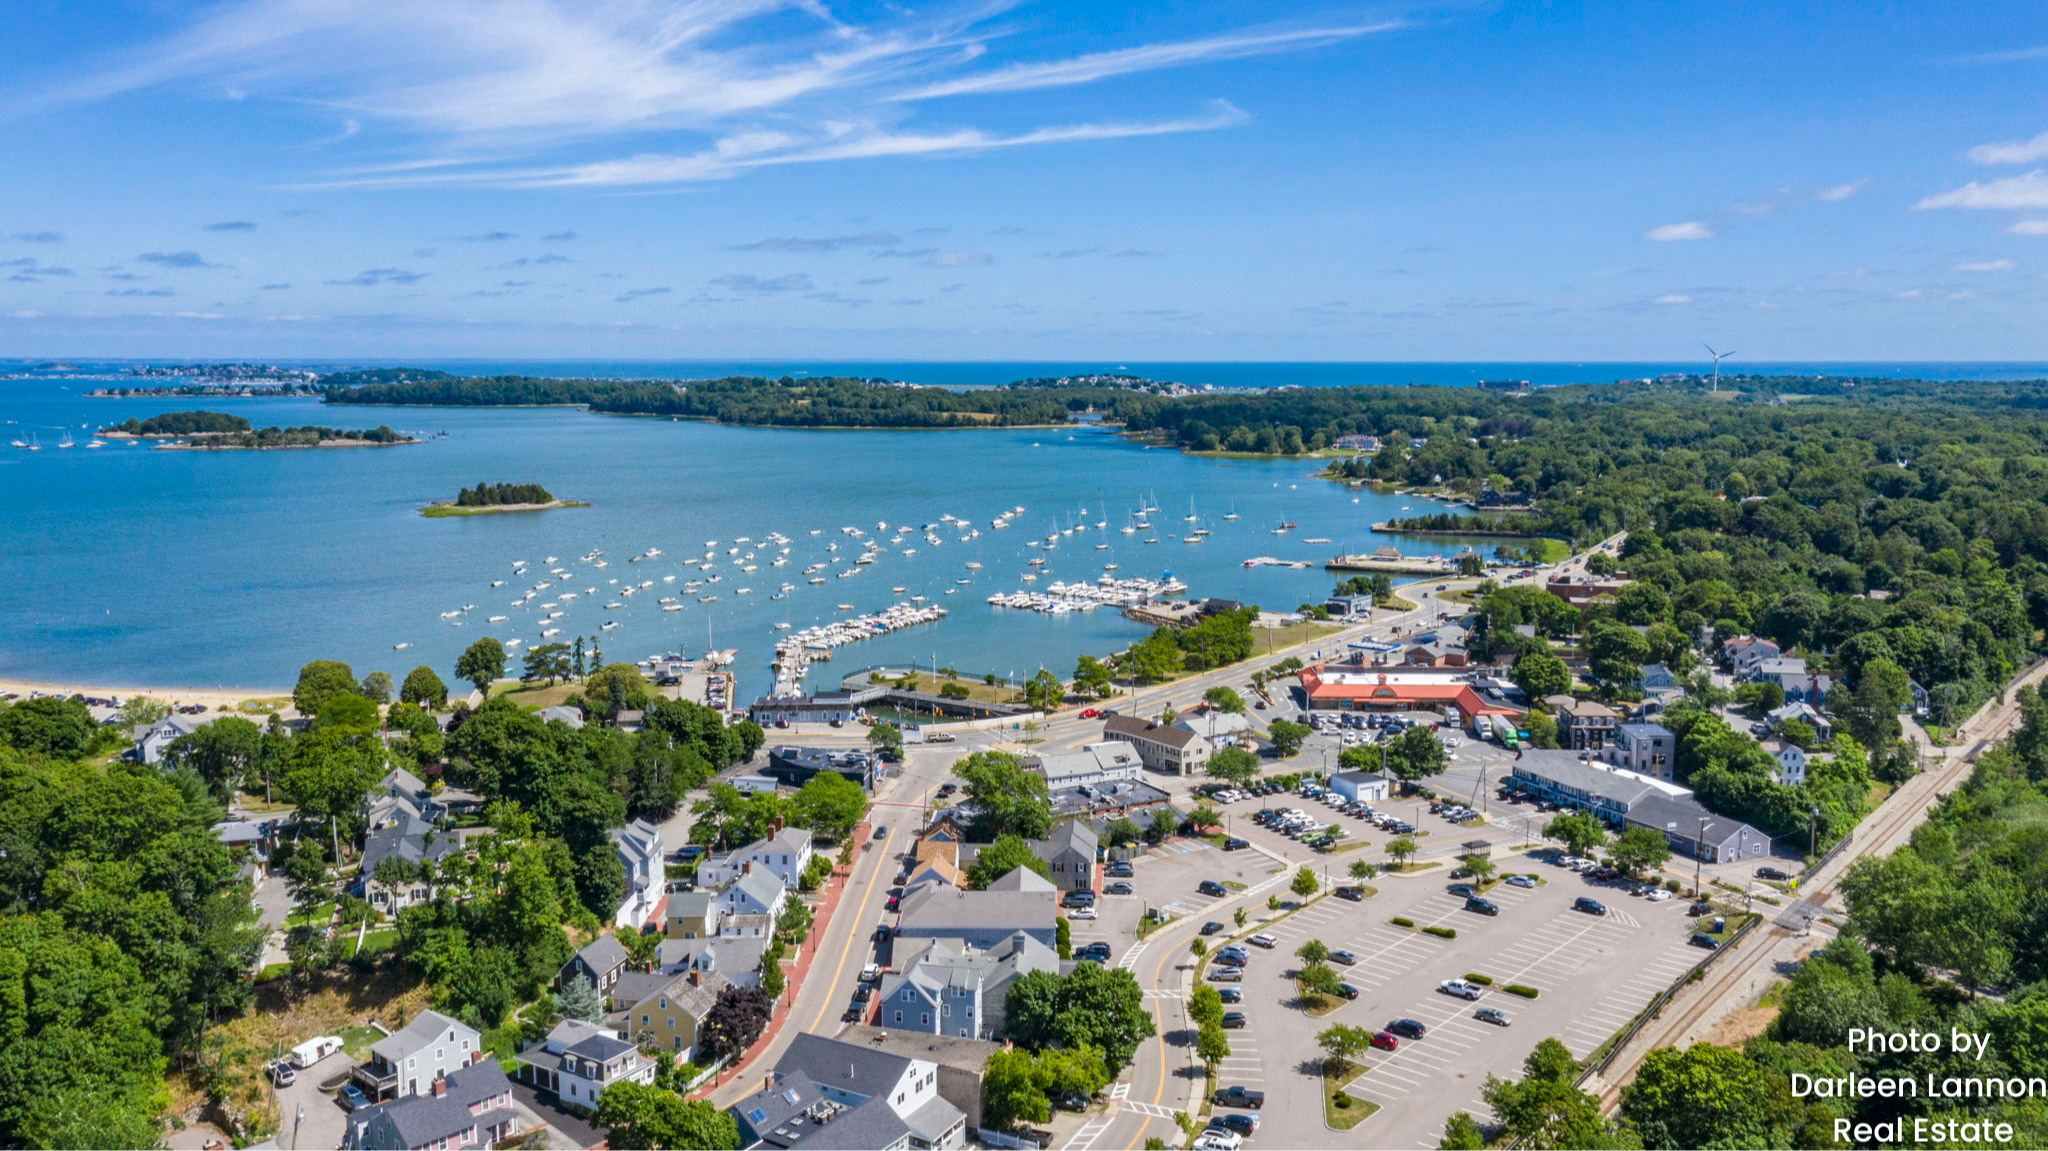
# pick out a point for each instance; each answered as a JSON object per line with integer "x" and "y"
{"x": 476, "y": 1056}
{"x": 440, "y": 1084}
{"x": 747, "y": 868}
{"x": 696, "y": 977}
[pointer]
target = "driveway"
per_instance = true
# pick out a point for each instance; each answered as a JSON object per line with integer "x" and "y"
{"x": 322, "y": 1120}
{"x": 568, "y": 1128}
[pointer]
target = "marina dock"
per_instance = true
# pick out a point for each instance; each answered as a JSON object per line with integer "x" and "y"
{"x": 795, "y": 652}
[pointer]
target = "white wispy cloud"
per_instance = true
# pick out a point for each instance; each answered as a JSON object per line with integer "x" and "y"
{"x": 1840, "y": 192}
{"x": 1095, "y": 66}
{"x": 1688, "y": 230}
{"x": 1672, "y": 298}
{"x": 2028, "y": 228}
{"x": 2011, "y": 151}
{"x": 529, "y": 92}
{"x": 727, "y": 159}
{"x": 2011, "y": 193}
{"x": 1986, "y": 266}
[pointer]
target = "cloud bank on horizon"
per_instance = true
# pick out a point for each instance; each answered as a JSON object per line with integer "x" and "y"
{"x": 784, "y": 177}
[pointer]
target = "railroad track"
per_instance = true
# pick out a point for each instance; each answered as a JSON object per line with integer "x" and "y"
{"x": 1883, "y": 832}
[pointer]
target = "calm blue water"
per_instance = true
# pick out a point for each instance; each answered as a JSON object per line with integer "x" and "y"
{"x": 126, "y": 565}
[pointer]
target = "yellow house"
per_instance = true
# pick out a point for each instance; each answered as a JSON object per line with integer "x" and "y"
{"x": 668, "y": 1018}
{"x": 691, "y": 915}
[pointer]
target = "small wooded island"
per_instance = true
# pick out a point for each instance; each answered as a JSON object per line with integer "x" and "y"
{"x": 486, "y": 499}
{"x": 216, "y": 431}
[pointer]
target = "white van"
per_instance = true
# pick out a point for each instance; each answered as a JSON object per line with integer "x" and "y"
{"x": 314, "y": 1050}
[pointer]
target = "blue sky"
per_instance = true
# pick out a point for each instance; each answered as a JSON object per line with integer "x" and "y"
{"x": 1224, "y": 180}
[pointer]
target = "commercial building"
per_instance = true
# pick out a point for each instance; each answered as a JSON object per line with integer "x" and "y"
{"x": 1646, "y": 748}
{"x": 1362, "y": 786}
{"x": 1161, "y": 747}
{"x": 1357, "y": 687}
{"x": 1624, "y": 798}
{"x": 1020, "y": 901}
{"x": 794, "y": 766}
{"x": 1106, "y": 761}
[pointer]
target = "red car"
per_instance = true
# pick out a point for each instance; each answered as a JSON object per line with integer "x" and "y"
{"x": 1089, "y": 713}
{"x": 1385, "y": 1041}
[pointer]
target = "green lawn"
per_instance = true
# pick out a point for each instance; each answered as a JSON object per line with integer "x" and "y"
{"x": 318, "y": 915}
{"x": 1343, "y": 1111}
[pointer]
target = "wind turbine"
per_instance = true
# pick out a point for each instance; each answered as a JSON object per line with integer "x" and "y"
{"x": 1718, "y": 357}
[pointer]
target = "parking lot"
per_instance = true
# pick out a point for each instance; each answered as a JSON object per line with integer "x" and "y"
{"x": 1592, "y": 974}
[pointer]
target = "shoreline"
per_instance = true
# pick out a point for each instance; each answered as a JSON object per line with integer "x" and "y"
{"x": 448, "y": 509}
{"x": 227, "y": 699}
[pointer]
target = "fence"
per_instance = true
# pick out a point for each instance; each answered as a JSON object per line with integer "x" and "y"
{"x": 1656, "y": 1006}
{"x": 990, "y": 1137}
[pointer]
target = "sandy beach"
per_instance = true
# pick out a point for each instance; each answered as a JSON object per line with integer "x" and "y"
{"x": 215, "y": 698}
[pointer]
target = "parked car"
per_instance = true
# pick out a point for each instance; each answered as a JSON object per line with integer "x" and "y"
{"x": 1236, "y": 844}
{"x": 1233, "y": 1020}
{"x": 1119, "y": 888}
{"x": 1702, "y": 939}
{"x": 1264, "y": 940}
{"x": 1482, "y": 906}
{"x": 1385, "y": 1042}
{"x": 1230, "y": 960}
{"x": 1225, "y": 975}
{"x": 1120, "y": 869}
{"x": 1491, "y": 1015}
{"x": 1460, "y": 988}
{"x": 1354, "y": 894}
{"x": 1520, "y": 881}
{"x": 1235, "y": 1096}
{"x": 1211, "y": 887}
{"x": 871, "y": 973}
{"x": 1346, "y": 958}
{"x": 1098, "y": 951}
{"x": 282, "y": 1074}
{"x": 1218, "y": 1139}
{"x": 352, "y": 1097}
{"x": 1081, "y": 897}
{"x": 1081, "y": 913}
{"x": 1771, "y": 873}
{"x": 1243, "y": 1124}
{"x": 1230, "y": 994}
{"x": 1589, "y": 906}
{"x": 1346, "y": 991}
{"x": 1657, "y": 895}
{"x": 1700, "y": 908}
{"x": 1464, "y": 890}
{"x": 1408, "y": 1028}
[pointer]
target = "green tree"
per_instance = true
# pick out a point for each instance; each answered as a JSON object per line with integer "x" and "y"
{"x": 1540, "y": 674}
{"x": 1479, "y": 866}
{"x": 143, "y": 711}
{"x": 1165, "y": 823}
{"x": 1063, "y": 937}
{"x": 329, "y": 770}
{"x": 1317, "y": 984}
{"x": 1342, "y": 1042}
{"x": 1415, "y": 755}
{"x": 1203, "y": 816}
{"x": 1461, "y": 1134}
{"x": 829, "y": 804}
{"x": 376, "y": 687}
{"x": 1639, "y": 851}
{"x": 1000, "y": 858}
{"x": 1542, "y": 728}
{"x": 1155, "y": 658}
{"x": 1092, "y": 677}
{"x": 1224, "y": 699}
{"x": 1121, "y": 832}
{"x": 1043, "y": 692}
{"x": 1235, "y": 766}
{"x": 1212, "y": 1045}
{"x": 886, "y": 740}
{"x": 481, "y": 663}
{"x": 1205, "y": 1004}
{"x": 1580, "y": 832}
{"x": 222, "y": 753}
{"x": 1007, "y": 799}
{"x": 1011, "y": 1090}
{"x": 59, "y": 728}
{"x": 546, "y": 662}
{"x": 422, "y": 686}
{"x": 320, "y": 681}
{"x": 578, "y": 999}
{"x": 1401, "y": 849}
{"x": 1615, "y": 655}
{"x": 1313, "y": 951}
{"x": 1710, "y": 1096}
{"x": 1305, "y": 883}
{"x": 1093, "y": 1005}
{"x": 1362, "y": 870}
{"x": 1287, "y": 737}
{"x": 643, "y": 1117}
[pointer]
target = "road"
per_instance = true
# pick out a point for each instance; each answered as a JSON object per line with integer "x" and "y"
{"x": 1771, "y": 953}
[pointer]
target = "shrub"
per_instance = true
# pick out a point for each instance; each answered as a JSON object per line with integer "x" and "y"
{"x": 1441, "y": 932}
{"x": 1401, "y": 921}
{"x": 1672, "y": 886}
{"x": 1481, "y": 980}
{"x": 1521, "y": 990}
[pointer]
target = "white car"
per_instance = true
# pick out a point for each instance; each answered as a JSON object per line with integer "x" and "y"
{"x": 1658, "y": 896}
{"x": 1451, "y": 742}
{"x": 1217, "y": 1139}
{"x": 1081, "y": 913}
{"x": 1461, "y": 989}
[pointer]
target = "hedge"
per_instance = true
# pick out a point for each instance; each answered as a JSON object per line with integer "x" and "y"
{"x": 1481, "y": 980}
{"x": 1519, "y": 989}
{"x": 1441, "y": 932}
{"x": 1401, "y": 921}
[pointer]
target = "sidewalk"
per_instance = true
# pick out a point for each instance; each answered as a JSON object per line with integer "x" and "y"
{"x": 821, "y": 922}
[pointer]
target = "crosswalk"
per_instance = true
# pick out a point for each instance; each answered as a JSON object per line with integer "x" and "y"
{"x": 1130, "y": 959}
{"x": 1084, "y": 1139}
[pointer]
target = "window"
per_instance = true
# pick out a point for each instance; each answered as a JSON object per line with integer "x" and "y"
{"x": 899, "y": 1017}
{"x": 664, "y": 1005}
{"x": 924, "y": 1018}
{"x": 679, "y": 1043}
{"x": 671, "y": 1023}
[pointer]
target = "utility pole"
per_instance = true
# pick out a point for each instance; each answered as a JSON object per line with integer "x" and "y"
{"x": 1699, "y": 854}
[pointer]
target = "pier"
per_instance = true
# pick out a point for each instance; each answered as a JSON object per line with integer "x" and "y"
{"x": 795, "y": 653}
{"x": 1394, "y": 564}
